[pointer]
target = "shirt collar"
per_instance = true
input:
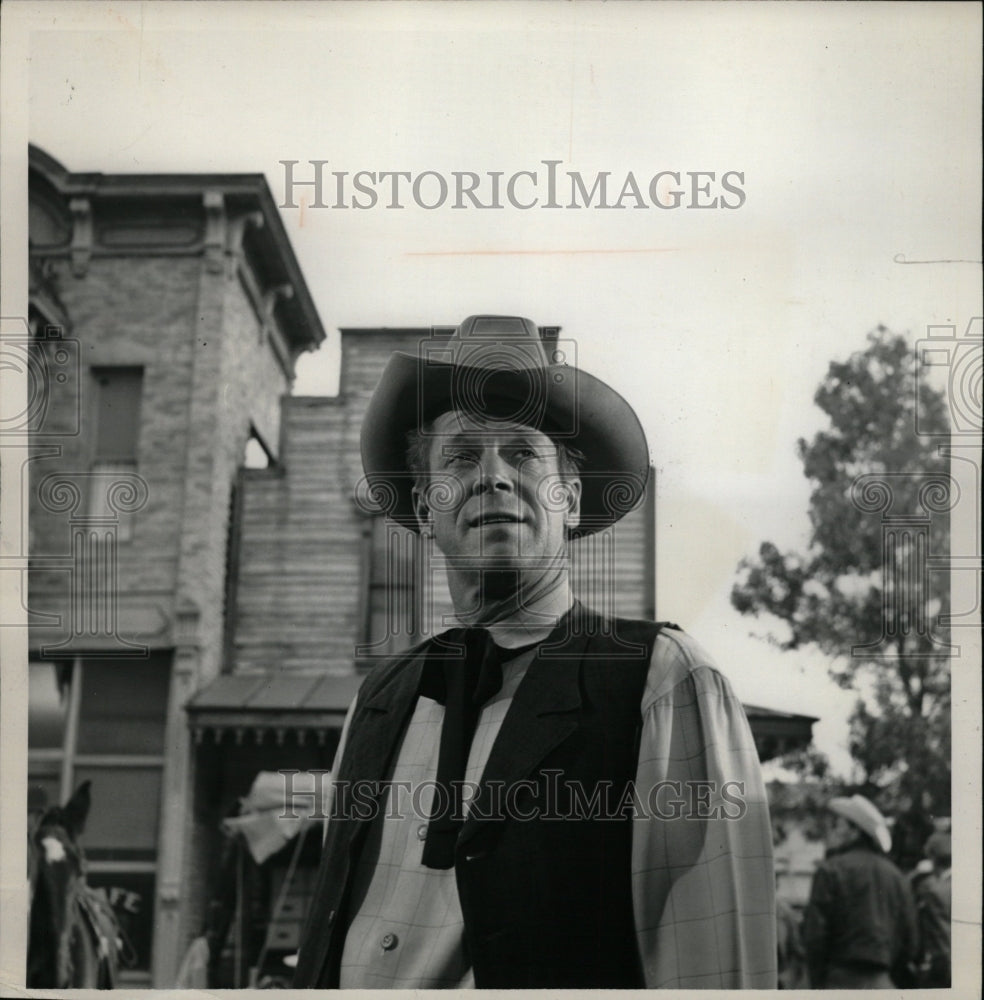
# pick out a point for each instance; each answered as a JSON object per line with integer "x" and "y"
{"x": 535, "y": 620}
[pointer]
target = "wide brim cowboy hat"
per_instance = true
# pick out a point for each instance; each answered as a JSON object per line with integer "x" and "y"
{"x": 498, "y": 366}
{"x": 865, "y": 816}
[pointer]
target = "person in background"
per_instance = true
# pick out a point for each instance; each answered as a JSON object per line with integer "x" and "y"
{"x": 860, "y": 928}
{"x": 791, "y": 958}
{"x": 933, "y": 898}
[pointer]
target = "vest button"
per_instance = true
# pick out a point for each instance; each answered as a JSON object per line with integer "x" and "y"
{"x": 422, "y": 831}
{"x": 389, "y": 942}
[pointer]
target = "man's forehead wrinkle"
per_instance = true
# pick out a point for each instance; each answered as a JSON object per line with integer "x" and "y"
{"x": 494, "y": 437}
{"x": 455, "y": 427}
{"x": 468, "y": 421}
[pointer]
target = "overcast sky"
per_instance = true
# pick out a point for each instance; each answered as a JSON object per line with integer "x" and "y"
{"x": 856, "y": 129}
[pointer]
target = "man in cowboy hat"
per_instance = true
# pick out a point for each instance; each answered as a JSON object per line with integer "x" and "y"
{"x": 860, "y": 923}
{"x": 543, "y": 796}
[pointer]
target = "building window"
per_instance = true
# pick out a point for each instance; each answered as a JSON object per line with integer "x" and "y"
{"x": 115, "y": 440}
{"x": 256, "y": 454}
{"x": 103, "y": 721}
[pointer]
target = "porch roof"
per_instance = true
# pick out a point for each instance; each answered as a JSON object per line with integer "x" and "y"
{"x": 273, "y": 700}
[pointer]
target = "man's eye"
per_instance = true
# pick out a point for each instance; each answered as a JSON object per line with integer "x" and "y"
{"x": 456, "y": 457}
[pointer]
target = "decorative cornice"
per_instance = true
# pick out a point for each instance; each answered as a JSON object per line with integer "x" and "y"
{"x": 270, "y": 299}
{"x": 245, "y": 197}
{"x": 235, "y": 232}
{"x": 43, "y": 295}
{"x": 215, "y": 230}
{"x": 81, "y": 249}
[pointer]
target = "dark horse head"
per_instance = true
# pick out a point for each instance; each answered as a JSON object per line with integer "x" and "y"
{"x": 63, "y": 950}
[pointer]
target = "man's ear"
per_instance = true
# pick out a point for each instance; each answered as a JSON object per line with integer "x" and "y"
{"x": 420, "y": 507}
{"x": 573, "y": 516}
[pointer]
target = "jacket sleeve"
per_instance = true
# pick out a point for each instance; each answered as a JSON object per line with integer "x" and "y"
{"x": 336, "y": 763}
{"x": 933, "y": 914}
{"x": 703, "y": 880}
{"x": 910, "y": 943}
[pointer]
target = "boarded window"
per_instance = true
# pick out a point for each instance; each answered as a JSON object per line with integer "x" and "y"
{"x": 117, "y": 413}
{"x": 116, "y": 440}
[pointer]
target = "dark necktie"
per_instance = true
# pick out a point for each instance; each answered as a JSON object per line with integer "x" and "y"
{"x": 462, "y": 683}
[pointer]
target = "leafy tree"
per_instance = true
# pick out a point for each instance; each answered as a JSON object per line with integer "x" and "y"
{"x": 866, "y": 592}
{"x": 802, "y": 804}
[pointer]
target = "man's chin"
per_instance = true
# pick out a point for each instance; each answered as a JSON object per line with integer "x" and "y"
{"x": 490, "y": 560}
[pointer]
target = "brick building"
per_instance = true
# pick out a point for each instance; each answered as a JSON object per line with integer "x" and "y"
{"x": 167, "y": 313}
{"x": 208, "y": 582}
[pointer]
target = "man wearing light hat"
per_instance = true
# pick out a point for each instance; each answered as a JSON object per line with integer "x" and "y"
{"x": 594, "y": 812}
{"x": 860, "y": 924}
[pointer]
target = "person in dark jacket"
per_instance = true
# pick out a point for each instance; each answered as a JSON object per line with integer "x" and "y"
{"x": 933, "y": 904}
{"x": 860, "y": 928}
{"x": 791, "y": 960}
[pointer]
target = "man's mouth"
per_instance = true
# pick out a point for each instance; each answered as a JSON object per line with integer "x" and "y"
{"x": 483, "y": 520}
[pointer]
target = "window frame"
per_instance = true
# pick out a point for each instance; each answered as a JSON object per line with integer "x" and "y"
{"x": 390, "y": 570}
{"x": 69, "y": 760}
{"x": 109, "y": 462}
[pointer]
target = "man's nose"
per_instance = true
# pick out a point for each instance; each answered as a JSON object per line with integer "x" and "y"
{"x": 494, "y": 474}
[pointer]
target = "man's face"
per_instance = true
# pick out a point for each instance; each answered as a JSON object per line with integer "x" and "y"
{"x": 840, "y": 832}
{"x": 495, "y": 493}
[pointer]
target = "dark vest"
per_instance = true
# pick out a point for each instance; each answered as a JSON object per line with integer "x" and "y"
{"x": 543, "y": 862}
